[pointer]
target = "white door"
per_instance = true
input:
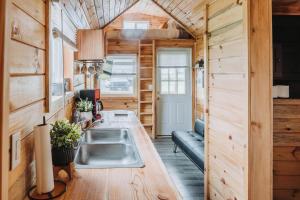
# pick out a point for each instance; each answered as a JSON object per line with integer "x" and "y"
{"x": 174, "y": 90}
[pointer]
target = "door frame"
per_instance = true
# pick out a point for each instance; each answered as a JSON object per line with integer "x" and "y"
{"x": 187, "y": 43}
{"x": 192, "y": 83}
{"x": 4, "y": 101}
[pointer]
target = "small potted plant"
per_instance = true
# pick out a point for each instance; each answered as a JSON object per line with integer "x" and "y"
{"x": 85, "y": 108}
{"x": 64, "y": 139}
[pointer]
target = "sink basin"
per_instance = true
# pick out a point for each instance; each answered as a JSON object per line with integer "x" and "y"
{"x": 108, "y": 148}
{"x": 106, "y": 136}
{"x": 107, "y": 156}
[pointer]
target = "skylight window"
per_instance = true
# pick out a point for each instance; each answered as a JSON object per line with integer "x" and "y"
{"x": 136, "y": 25}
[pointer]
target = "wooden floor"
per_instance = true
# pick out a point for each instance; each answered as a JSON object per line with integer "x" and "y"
{"x": 187, "y": 177}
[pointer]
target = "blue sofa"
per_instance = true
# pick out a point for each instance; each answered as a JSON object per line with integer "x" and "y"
{"x": 191, "y": 143}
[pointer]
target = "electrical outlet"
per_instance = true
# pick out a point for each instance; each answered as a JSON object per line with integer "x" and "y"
{"x": 15, "y": 150}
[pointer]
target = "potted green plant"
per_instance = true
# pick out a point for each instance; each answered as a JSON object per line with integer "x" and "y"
{"x": 85, "y": 108}
{"x": 64, "y": 138}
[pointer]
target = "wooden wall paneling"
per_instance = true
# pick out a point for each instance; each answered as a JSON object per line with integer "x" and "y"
{"x": 25, "y": 59}
{"x": 173, "y": 43}
{"x": 27, "y": 63}
{"x": 226, "y": 148}
{"x": 286, "y": 143}
{"x": 27, "y": 155}
{"x": 156, "y": 22}
{"x": 261, "y": 115}
{"x": 27, "y": 48}
{"x": 26, "y": 29}
{"x": 122, "y": 46}
{"x": 4, "y": 102}
{"x": 26, "y": 90}
{"x": 120, "y": 103}
{"x": 35, "y": 8}
{"x": 26, "y": 118}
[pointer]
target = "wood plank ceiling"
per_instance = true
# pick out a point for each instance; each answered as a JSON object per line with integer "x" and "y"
{"x": 97, "y": 14}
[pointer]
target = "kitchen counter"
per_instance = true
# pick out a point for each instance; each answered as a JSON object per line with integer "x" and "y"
{"x": 150, "y": 182}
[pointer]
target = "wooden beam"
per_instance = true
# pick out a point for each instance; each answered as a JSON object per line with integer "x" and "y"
{"x": 4, "y": 102}
{"x": 260, "y": 150}
{"x": 175, "y": 18}
{"x": 120, "y": 14}
{"x": 206, "y": 101}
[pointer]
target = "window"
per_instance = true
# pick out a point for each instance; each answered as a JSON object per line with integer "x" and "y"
{"x": 123, "y": 79}
{"x": 135, "y": 25}
{"x": 172, "y": 80}
{"x": 57, "y": 68}
{"x": 56, "y": 54}
{"x": 173, "y": 66}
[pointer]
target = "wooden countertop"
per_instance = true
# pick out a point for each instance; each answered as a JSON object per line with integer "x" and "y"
{"x": 150, "y": 182}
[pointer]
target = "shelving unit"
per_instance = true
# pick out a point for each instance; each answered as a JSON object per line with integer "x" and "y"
{"x": 146, "y": 98}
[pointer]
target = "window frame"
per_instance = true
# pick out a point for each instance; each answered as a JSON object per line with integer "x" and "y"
{"x": 188, "y": 67}
{"x": 134, "y": 75}
{"x": 135, "y": 24}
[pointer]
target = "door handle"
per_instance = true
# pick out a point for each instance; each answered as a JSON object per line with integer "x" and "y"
{"x": 158, "y": 97}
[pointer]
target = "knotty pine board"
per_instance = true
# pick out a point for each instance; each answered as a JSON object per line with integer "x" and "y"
{"x": 286, "y": 161}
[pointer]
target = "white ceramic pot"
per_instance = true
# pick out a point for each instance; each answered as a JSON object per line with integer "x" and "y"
{"x": 86, "y": 116}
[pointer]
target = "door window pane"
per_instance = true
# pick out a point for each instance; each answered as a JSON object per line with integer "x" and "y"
{"x": 172, "y": 74}
{"x": 172, "y": 87}
{"x": 181, "y": 74}
{"x": 164, "y": 87}
{"x": 181, "y": 87}
{"x": 164, "y": 73}
{"x": 174, "y": 66}
{"x": 173, "y": 80}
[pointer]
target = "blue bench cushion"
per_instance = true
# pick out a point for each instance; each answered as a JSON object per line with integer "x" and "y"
{"x": 192, "y": 144}
{"x": 199, "y": 127}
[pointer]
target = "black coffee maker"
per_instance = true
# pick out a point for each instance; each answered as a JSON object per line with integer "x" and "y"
{"x": 93, "y": 95}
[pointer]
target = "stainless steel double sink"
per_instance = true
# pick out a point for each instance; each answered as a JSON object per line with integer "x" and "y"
{"x": 108, "y": 148}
